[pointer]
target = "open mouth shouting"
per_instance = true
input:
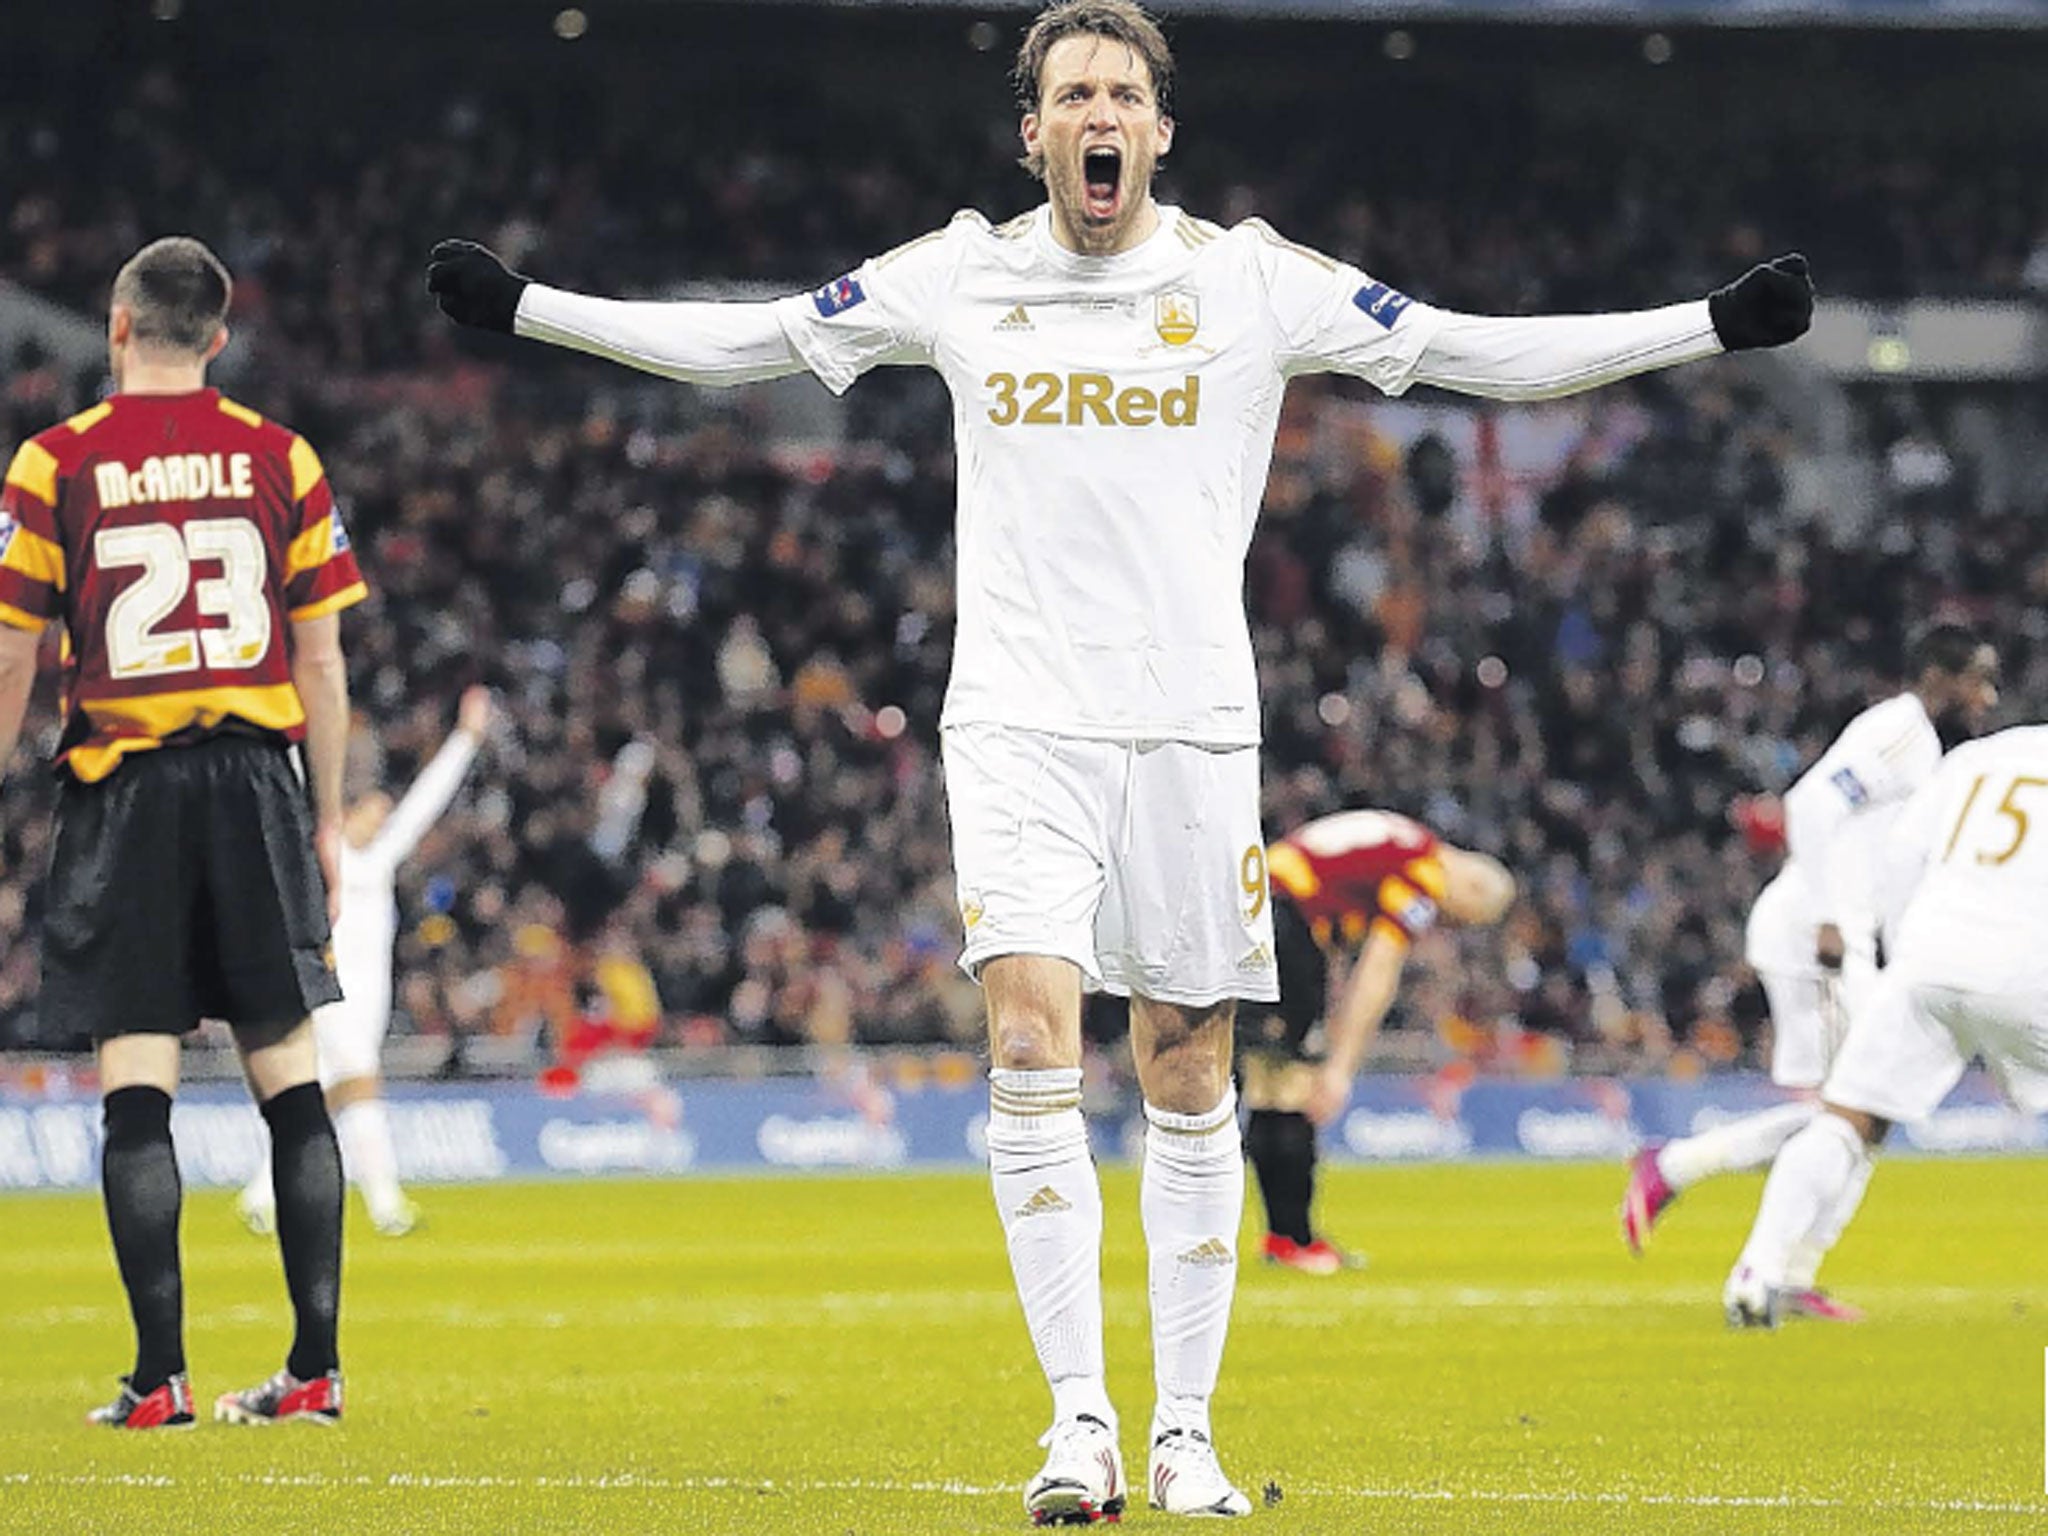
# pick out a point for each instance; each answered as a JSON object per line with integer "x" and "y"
{"x": 1102, "y": 180}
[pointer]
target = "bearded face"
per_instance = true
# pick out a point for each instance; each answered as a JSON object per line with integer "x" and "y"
{"x": 1097, "y": 136}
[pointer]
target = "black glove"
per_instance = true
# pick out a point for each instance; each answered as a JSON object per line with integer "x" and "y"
{"x": 473, "y": 286}
{"x": 1765, "y": 307}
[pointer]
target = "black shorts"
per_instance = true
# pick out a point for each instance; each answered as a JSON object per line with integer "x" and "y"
{"x": 1283, "y": 1029}
{"x": 183, "y": 887}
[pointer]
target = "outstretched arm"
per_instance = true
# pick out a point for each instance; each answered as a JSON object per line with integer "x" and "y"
{"x": 1539, "y": 357}
{"x": 436, "y": 785}
{"x": 695, "y": 341}
{"x": 1542, "y": 356}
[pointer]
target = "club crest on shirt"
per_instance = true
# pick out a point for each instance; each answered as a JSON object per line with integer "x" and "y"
{"x": 339, "y": 542}
{"x": 838, "y": 296}
{"x": 1176, "y": 316}
{"x": 7, "y": 527}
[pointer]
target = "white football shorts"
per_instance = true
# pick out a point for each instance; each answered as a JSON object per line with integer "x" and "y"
{"x": 1142, "y": 862}
{"x": 1909, "y": 1047}
{"x": 349, "y": 1037}
{"x": 1810, "y": 1014}
{"x": 1780, "y": 934}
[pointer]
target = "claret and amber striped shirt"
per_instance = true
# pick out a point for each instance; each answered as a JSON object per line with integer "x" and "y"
{"x": 1361, "y": 872}
{"x": 177, "y": 537}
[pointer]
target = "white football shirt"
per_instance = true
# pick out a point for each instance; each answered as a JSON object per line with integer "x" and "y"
{"x": 1114, "y": 419}
{"x": 1970, "y": 849}
{"x": 368, "y": 926}
{"x": 1836, "y": 819}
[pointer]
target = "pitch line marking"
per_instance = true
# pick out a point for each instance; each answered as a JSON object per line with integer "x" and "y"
{"x": 628, "y": 1482}
{"x": 1270, "y": 1306}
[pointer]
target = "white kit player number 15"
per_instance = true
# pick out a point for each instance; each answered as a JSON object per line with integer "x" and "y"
{"x": 2002, "y": 829}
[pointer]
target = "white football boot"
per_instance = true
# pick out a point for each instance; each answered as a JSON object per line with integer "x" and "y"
{"x": 400, "y": 1220}
{"x": 1187, "y": 1480}
{"x": 1748, "y": 1301}
{"x": 258, "y": 1217}
{"x": 1082, "y": 1480}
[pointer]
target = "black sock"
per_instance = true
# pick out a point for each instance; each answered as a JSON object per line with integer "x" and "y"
{"x": 1282, "y": 1147}
{"x": 305, "y": 1163}
{"x": 139, "y": 1177}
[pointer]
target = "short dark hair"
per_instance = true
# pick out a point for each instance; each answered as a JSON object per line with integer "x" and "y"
{"x": 1124, "y": 21}
{"x": 178, "y": 292}
{"x": 1950, "y": 648}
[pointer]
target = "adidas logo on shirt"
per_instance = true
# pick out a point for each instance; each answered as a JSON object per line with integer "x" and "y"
{"x": 1016, "y": 320}
{"x": 1047, "y": 1202}
{"x": 1211, "y": 1252}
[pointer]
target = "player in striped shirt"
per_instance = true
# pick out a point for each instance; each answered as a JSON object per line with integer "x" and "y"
{"x": 1357, "y": 888}
{"x": 193, "y": 556}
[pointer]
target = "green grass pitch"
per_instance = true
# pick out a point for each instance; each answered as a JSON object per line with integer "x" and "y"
{"x": 844, "y": 1355}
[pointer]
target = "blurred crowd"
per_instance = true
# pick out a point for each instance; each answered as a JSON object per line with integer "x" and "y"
{"x": 1594, "y": 637}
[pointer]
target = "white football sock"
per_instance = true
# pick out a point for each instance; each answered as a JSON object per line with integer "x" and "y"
{"x": 1192, "y": 1198}
{"x": 1804, "y": 1267}
{"x": 259, "y": 1193}
{"x": 1811, "y": 1175}
{"x": 1734, "y": 1147}
{"x": 1050, "y": 1202}
{"x": 367, "y": 1155}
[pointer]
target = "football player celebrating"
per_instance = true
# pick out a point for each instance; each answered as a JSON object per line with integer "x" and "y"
{"x": 1961, "y": 887}
{"x": 1812, "y": 935}
{"x": 1362, "y": 885}
{"x": 376, "y": 837}
{"x": 1116, "y": 368}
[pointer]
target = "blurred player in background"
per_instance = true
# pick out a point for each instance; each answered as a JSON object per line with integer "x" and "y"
{"x": 1116, "y": 369}
{"x": 192, "y": 551}
{"x": 1813, "y": 933}
{"x": 1961, "y": 887}
{"x": 376, "y": 838}
{"x": 1363, "y": 885}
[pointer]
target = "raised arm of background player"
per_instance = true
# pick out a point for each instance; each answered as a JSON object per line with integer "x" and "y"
{"x": 421, "y": 805}
{"x": 1499, "y": 357}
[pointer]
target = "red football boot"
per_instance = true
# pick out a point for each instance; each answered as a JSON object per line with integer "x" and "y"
{"x": 1316, "y": 1258}
{"x": 168, "y": 1407}
{"x": 283, "y": 1397}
